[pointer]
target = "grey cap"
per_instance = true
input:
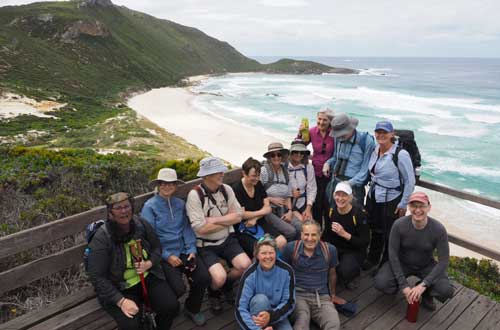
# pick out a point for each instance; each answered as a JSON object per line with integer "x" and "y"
{"x": 342, "y": 124}
{"x": 211, "y": 165}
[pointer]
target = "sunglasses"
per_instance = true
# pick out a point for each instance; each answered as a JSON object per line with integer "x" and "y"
{"x": 298, "y": 152}
{"x": 323, "y": 148}
{"x": 274, "y": 155}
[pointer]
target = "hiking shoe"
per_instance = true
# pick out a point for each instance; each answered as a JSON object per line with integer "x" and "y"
{"x": 352, "y": 285}
{"x": 229, "y": 297}
{"x": 428, "y": 302}
{"x": 198, "y": 318}
{"x": 215, "y": 302}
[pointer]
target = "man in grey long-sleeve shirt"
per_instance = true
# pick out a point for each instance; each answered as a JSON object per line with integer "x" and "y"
{"x": 412, "y": 242}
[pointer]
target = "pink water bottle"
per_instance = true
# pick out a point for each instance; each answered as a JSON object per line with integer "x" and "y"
{"x": 412, "y": 311}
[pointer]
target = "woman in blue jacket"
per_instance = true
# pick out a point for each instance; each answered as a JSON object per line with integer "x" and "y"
{"x": 167, "y": 216}
{"x": 266, "y": 296}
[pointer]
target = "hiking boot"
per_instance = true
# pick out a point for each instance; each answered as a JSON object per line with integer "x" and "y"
{"x": 198, "y": 318}
{"x": 229, "y": 297}
{"x": 352, "y": 285}
{"x": 215, "y": 302}
{"x": 428, "y": 302}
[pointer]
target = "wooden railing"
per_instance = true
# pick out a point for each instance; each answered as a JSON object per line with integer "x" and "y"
{"x": 32, "y": 238}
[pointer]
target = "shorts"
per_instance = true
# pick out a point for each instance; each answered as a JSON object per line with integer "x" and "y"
{"x": 227, "y": 250}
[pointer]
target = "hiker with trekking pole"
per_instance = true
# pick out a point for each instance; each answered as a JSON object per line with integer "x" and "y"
{"x": 123, "y": 264}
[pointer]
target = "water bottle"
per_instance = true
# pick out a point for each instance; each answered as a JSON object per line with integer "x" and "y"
{"x": 412, "y": 311}
{"x": 304, "y": 132}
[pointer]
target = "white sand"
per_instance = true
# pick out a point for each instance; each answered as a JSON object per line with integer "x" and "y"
{"x": 171, "y": 108}
{"x": 12, "y": 105}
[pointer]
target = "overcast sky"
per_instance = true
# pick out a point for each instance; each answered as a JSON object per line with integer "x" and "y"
{"x": 445, "y": 28}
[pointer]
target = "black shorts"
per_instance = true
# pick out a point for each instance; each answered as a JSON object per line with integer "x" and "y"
{"x": 227, "y": 250}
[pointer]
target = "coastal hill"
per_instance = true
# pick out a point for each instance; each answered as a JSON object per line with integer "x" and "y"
{"x": 87, "y": 56}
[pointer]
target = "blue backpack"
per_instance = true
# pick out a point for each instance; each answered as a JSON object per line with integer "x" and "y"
{"x": 90, "y": 231}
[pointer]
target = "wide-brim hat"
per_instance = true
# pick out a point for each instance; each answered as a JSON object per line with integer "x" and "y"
{"x": 343, "y": 124}
{"x": 276, "y": 146}
{"x": 166, "y": 175}
{"x": 211, "y": 165}
{"x": 300, "y": 147}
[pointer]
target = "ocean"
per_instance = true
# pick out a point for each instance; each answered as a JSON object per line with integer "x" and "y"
{"x": 452, "y": 105}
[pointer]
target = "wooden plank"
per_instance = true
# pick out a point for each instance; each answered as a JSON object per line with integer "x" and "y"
{"x": 460, "y": 194}
{"x": 474, "y": 314}
{"x": 424, "y": 314}
{"x": 105, "y": 322}
{"x": 73, "y": 318}
{"x": 451, "y": 311}
{"x": 363, "y": 301}
{"x": 371, "y": 312}
{"x": 491, "y": 321}
{"x": 19, "y": 276}
{"x": 61, "y": 305}
{"x": 34, "y": 237}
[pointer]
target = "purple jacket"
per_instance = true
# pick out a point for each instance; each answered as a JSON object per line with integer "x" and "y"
{"x": 322, "y": 149}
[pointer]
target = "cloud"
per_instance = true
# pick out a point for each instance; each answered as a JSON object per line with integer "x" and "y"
{"x": 284, "y": 3}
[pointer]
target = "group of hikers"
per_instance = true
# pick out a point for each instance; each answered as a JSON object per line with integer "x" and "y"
{"x": 277, "y": 242}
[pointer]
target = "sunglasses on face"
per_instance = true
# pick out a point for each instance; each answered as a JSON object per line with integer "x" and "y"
{"x": 274, "y": 155}
{"x": 297, "y": 152}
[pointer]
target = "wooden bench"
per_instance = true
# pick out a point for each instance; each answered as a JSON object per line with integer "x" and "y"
{"x": 80, "y": 310}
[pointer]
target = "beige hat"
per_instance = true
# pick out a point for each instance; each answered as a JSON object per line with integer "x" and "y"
{"x": 166, "y": 175}
{"x": 276, "y": 146}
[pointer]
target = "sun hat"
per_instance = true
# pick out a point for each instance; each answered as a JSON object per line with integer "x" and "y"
{"x": 344, "y": 187}
{"x": 342, "y": 124}
{"x": 166, "y": 175}
{"x": 419, "y": 196}
{"x": 275, "y": 146}
{"x": 385, "y": 126}
{"x": 299, "y": 145}
{"x": 211, "y": 165}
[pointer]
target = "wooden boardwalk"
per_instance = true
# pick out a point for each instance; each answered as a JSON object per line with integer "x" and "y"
{"x": 376, "y": 311}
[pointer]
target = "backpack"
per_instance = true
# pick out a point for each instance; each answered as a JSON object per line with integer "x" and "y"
{"x": 407, "y": 142}
{"x": 201, "y": 189}
{"x": 90, "y": 231}
{"x": 284, "y": 168}
{"x": 324, "y": 249}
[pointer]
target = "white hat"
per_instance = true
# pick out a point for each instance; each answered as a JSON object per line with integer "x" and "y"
{"x": 211, "y": 165}
{"x": 166, "y": 175}
{"x": 343, "y": 186}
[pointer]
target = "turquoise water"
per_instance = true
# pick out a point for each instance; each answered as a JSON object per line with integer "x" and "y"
{"x": 453, "y": 105}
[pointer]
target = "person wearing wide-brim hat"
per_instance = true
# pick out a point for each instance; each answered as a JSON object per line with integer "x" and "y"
{"x": 302, "y": 181}
{"x": 275, "y": 178}
{"x": 116, "y": 274}
{"x": 166, "y": 213}
{"x": 213, "y": 209}
{"x": 350, "y": 158}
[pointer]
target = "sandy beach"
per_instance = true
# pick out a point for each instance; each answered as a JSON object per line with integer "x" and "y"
{"x": 171, "y": 108}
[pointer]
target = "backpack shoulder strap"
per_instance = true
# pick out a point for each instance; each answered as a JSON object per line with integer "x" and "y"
{"x": 326, "y": 252}
{"x": 295, "y": 254}
{"x": 201, "y": 194}
{"x": 395, "y": 159}
{"x": 270, "y": 176}
{"x": 284, "y": 168}
{"x": 224, "y": 192}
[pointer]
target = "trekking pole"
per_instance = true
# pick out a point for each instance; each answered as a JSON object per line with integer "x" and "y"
{"x": 136, "y": 251}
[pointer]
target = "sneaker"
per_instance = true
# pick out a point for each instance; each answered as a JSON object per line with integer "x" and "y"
{"x": 197, "y": 318}
{"x": 215, "y": 302}
{"x": 428, "y": 302}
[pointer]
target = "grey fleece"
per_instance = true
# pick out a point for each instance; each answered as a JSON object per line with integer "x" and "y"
{"x": 414, "y": 249}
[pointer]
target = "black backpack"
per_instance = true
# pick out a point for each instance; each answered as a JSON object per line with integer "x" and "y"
{"x": 407, "y": 142}
{"x": 90, "y": 231}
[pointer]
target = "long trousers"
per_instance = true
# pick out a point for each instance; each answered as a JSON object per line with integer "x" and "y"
{"x": 315, "y": 307}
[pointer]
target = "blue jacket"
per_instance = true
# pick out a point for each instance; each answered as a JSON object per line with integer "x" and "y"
{"x": 357, "y": 150}
{"x": 169, "y": 221}
{"x": 278, "y": 285}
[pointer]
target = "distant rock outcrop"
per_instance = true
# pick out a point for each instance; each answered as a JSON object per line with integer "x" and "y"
{"x": 91, "y": 28}
{"x": 95, "y": 3}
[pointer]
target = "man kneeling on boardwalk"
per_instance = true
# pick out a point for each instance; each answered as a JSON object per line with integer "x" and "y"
{"x": 412, "y": 242}
{"x": 314, "y": 264}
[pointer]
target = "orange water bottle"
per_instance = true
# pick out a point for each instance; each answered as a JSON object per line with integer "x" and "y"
{"x": 304, "y": 132}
